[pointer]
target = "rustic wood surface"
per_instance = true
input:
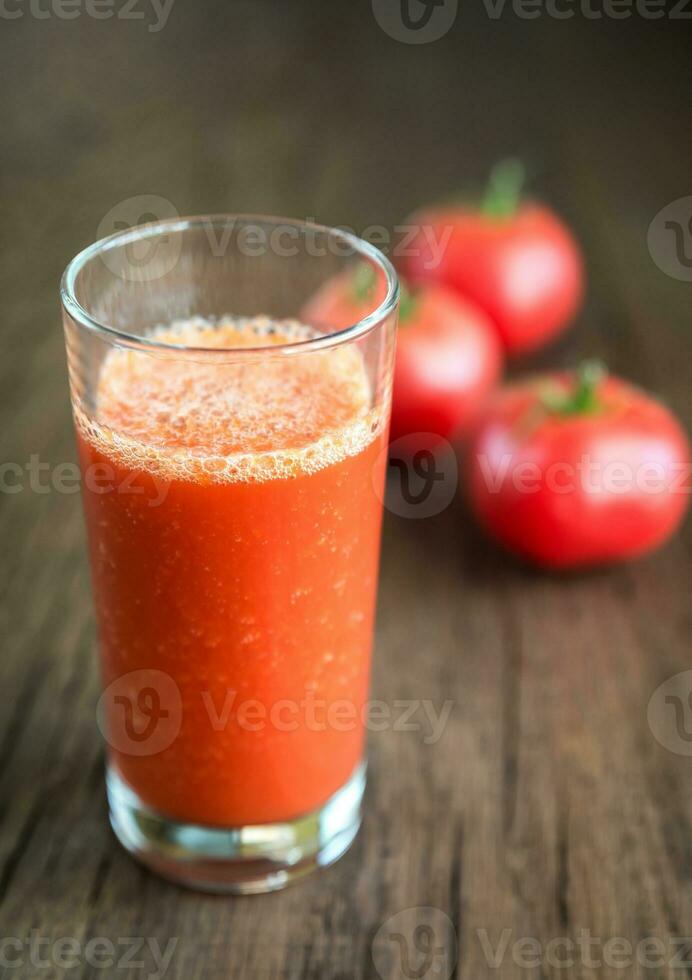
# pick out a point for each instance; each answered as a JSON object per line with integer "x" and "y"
{"x": 547, "y": 808}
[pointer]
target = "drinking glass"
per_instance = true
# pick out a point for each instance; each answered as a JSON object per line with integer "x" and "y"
{"x": 231, "y": 381}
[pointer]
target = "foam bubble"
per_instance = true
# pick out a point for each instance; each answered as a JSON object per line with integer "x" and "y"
{"x": 250, "y": 420}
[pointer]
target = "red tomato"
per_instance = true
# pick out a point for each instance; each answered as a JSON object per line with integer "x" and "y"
{"x": 518, "y": 262}
{"x": 448, "y": 357}
{"x": 448, "y": 360}
{"x": 569, "y": 471}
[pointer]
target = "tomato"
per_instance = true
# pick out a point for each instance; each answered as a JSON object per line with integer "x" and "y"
{"x": 574, "y": 470}
{"x": 517, "y": 261}
{"x": 447, "y": 362}
{"x": 448, "y": 357}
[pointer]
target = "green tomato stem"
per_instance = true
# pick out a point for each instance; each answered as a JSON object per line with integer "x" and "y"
{"x": 503, "y": 193}
{"x": 583, "y": 399}
{"x": 407, "y": 304}
{"x": 363, "y": 282}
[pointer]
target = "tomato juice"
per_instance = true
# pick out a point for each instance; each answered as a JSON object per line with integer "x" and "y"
{"x": 235, "y": 549}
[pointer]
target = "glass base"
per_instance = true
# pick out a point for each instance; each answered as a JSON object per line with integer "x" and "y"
{"x": 236, "y": 860}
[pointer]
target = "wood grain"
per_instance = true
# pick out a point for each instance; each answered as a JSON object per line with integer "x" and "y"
{"x": 546, "y": 808}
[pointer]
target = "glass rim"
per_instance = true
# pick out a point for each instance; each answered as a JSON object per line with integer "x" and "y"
{"x": 141, "y": 232}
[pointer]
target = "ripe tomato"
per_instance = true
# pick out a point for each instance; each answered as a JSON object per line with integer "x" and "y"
{"x": 448, "y": 360}
{"x": 517, "y": 261}
{"x": 572, "y": 470}
{"x": 448, "y": 357}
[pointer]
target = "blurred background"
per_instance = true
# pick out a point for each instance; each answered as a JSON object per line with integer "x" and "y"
{"x": 547, "y": 806}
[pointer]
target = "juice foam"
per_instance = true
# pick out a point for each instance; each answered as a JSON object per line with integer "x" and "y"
{"x": 197, "y": 417}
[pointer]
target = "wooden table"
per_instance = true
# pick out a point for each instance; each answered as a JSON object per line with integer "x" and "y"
{"x": 547, "y": 810}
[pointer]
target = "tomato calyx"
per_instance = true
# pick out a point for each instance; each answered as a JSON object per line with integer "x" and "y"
{"x": 583, "y": 399}
{"x": 407, "y": 304}
{"x": 503, "y": 191}
{"x": 364, "y": 282}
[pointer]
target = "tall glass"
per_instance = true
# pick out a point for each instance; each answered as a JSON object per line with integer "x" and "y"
{"x": 231, "y": 415}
